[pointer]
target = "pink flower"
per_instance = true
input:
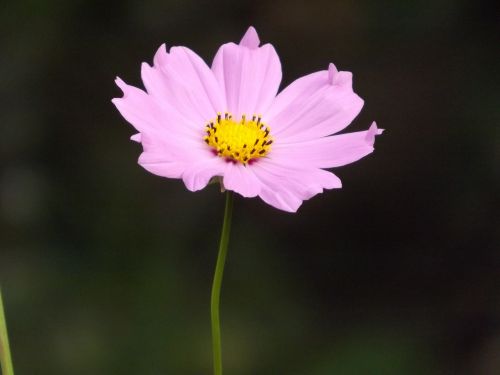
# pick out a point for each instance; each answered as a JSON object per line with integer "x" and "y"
{"x": 227, "y": 121}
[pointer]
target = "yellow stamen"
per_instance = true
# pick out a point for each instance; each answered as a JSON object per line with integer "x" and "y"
{"x": 241, "y": 141}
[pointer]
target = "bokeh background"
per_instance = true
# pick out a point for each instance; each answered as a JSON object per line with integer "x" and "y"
{"x": 106, "y": 269}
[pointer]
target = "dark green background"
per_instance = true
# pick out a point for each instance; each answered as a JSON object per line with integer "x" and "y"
{"x": 106, "y": 269}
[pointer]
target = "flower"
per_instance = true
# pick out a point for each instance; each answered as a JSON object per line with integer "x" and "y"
{"x": 196, "y": 123}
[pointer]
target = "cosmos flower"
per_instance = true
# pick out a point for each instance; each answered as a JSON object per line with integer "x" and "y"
{"x": 228, "y": 122}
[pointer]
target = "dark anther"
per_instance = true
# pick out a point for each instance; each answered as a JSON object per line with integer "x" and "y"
{"x": 269, "y": 142}
{"x": 256, "y": 141}
{"x": 253, "y": 150}
{"x": 218, "y": 118}
{"x": 245, "y": 145}
{"x": 216, "y": 139}
{"x": 262, "y": 151}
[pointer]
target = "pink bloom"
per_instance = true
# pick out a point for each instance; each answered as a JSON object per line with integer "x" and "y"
{"x": 195, "y": 122}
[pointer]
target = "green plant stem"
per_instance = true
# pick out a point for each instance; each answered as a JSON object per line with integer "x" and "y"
{"x": 219, "y": 271}
{"x": 5, "y": 357}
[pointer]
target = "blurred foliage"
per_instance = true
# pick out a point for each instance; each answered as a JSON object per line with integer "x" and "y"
{"x": 107, "y": 269}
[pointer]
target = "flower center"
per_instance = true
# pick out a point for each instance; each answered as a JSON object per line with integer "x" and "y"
{"x": 242, "y": 141}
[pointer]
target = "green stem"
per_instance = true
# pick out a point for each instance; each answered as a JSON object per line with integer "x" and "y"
{"x": 5, "y": 357}
{"x": 219, "y": 271}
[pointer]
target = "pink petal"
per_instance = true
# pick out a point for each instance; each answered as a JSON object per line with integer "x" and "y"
{"x": 183, "y": 80}
{"x": 167, "y": 158}
{"x": 162, "y": 167}
{"x": 250, "y": 39}
{"x": 305, "y": 182}
{"x": 337, "y": 78}
{"x": 174, "y": 148}
{"x": 146, "y": 114}
{"x": 160, "y": 59}
{"x": 275, "y": 195}
{"x": 137, "y": 108}
{"x": 159, "y": 89}
{"x": 248, "y": 75}
{"x": 329, "y": 152}
{"x": 197, "y": 175}
{"x": 314, "y": 106}
{"x": 241, "y": 179}
{"x": 286, "y": 187}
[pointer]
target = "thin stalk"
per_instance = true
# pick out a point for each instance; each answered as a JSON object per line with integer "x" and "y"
{"x": 5, "y": 357}
{"x": 216, "y": 286}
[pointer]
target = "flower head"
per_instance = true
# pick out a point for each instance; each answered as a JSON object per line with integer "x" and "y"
{"x": 228, "y": 121}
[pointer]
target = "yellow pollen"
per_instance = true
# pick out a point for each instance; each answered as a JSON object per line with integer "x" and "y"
{"x": 242, "y": 141}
